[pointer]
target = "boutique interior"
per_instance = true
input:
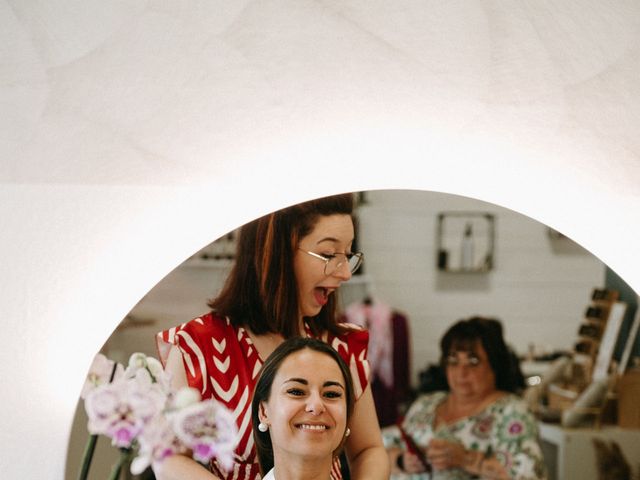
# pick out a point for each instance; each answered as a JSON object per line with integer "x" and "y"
{"x": 430, "y": 260}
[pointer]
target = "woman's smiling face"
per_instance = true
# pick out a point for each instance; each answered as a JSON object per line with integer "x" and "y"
{"x": 332, "y": 234}
{"x": 307, "y": 408}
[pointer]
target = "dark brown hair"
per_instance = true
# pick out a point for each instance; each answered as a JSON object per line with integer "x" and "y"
{"x": 262, "y": 392}
{"x": 465, "y": 334}
{"x": 261, "y": 289}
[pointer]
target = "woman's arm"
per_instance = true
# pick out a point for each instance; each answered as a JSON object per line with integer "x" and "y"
{"x": 175, "y": 368}
{"x": 368, "y": 459}
{"x": 180, "y": 467}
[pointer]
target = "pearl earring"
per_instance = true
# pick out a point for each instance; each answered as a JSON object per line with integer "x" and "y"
{"x": 263, "y": 427}
{"x": 347, "y": 432}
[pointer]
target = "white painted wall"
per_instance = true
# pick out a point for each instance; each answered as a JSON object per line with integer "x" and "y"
{"x": 133, "y": 132}
{"x": 539, "y": 288}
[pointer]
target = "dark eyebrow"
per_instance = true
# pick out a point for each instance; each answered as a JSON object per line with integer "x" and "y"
{"x": 303, "y": 381}
{"x": 468, "y": 351}
{"x": 333, "y": 384}
{"x": 334, "y": 241}
{"x": 327, "y": 239}
{"x": 297, "y": 380}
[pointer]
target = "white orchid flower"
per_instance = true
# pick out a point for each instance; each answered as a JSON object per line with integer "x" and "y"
{"x": 121, "y": 409}
{"x": 100, "y": 373}
{"x": 208, "y": 429}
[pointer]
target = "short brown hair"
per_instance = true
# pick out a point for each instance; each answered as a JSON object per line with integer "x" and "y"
{"x": 465, "y": 334}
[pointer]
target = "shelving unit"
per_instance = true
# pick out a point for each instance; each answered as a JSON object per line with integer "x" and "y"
{"x": 465, "y": 242}
{"x": 585, "y": 394}
{"x": 221, "y": 251}
{"x": 592, "y": 330}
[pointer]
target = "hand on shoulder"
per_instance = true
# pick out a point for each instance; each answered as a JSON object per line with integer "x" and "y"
{"x": 352, "y": 326}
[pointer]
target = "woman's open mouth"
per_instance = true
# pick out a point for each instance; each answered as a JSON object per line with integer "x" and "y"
{"x": 321, "y": 295}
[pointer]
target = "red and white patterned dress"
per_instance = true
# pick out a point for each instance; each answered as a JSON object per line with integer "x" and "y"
{"x": 221, "y": 362}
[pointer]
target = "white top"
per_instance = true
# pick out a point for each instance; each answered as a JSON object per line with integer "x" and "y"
{"x": 270, "y": 475}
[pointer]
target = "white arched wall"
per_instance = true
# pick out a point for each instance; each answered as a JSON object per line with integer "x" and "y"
{"x": 133, "y": 133}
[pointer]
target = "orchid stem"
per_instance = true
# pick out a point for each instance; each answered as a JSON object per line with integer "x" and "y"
{"x": 117, "y": 468}
{"x": 91, "y": 443}
{"x": 86, "y": 458}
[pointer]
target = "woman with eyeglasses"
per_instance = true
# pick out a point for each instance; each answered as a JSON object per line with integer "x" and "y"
{"x": 478, "y": 428}
{"x": 283, "y": 284}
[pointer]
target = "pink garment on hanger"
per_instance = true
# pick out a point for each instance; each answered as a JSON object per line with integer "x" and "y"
{"x": 376, "y": 317}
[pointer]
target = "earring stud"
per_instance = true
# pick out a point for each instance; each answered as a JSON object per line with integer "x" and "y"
{"x": 263, "y": 427}
{"x": 347, "y": 432}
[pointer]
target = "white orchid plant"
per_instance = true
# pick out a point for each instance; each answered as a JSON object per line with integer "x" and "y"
{"x": 136, "y": 408}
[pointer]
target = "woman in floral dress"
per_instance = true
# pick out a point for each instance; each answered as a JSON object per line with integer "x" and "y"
{"x": 477, "y": 429}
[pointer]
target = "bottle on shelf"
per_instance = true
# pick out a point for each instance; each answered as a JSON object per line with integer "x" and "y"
{"x": 466, "y": 258}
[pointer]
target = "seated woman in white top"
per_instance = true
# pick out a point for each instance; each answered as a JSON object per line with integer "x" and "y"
{"x": 301, "y": 408}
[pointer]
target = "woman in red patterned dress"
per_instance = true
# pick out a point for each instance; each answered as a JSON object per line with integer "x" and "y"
{"x": 283, "y": 284}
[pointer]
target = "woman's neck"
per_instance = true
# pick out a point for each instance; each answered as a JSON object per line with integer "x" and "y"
{"x": 303, "y": 469}
{"x": 266, "y": 343}
{"x": 456, "y": 407}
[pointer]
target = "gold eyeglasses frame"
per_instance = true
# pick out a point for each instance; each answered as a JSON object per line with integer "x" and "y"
{"x": 328, "y": 259}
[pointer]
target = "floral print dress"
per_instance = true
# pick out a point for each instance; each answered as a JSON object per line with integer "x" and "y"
{"x": 505, "y": 429}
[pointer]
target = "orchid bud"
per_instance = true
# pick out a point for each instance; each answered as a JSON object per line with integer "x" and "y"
{"x": 137, "y": 360}
{"x": 155, "y": 368}
{"x": 186, "y": 396}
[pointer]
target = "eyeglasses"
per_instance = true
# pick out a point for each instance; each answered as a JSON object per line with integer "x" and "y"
{"x": 454, "y": 361}
{"x": 335, "y": 261}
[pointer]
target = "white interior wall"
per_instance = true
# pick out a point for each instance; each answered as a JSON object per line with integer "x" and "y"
{"x": 134, "y": 132}
{"x": 539, "y": 288}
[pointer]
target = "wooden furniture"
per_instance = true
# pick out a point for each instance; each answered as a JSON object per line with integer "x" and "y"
{"x": 582, "y": 394}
